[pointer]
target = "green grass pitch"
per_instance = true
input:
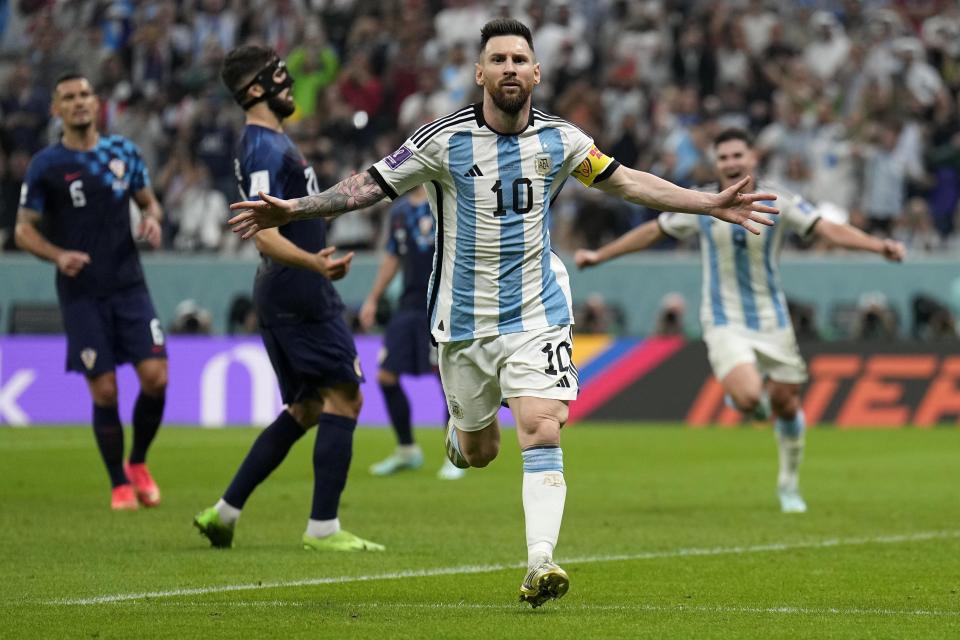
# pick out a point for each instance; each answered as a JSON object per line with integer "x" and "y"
{"x": 668, "y": 533}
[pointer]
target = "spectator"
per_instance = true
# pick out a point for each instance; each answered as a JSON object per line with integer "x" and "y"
{"x": 314, "y": 64}
{"x": 829, "y": 48}
{"x": 196, "y": 212}
{"x": 884, "y": 190}
{"x": 25, "y": 110}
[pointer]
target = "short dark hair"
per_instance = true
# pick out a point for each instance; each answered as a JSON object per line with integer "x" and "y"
{"x": 733, "y": 133}
{"x": 504, "y": 27}
{"x": 66, "y": 77}
{"x": 243, "y": 63}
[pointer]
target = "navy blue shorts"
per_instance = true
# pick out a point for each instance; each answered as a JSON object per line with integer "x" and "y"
{"x": 310, "y": 357}
{"x": 103, "y": 332}
{"x": 406, "y": 344}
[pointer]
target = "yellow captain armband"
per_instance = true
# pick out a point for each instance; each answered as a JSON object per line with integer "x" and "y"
{"x": 596, "y": 167}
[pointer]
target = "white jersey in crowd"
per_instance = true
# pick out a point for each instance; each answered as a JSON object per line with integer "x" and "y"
{"x": 494, "y": 272}
{"x": 741, "y": 271}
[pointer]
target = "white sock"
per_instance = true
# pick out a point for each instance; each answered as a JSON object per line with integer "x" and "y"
{"x": 228, "y": 513}
{"x": 544, "y": 493}
{"x": 791, "y": 455}
{"x": 322, "y": 528}
{"x": 790, "y": 443}
{"x": 408, "y": 451}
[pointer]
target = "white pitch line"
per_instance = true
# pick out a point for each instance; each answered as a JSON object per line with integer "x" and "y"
{"x": 490, "y": 568}
{"x": 653, "y": 608}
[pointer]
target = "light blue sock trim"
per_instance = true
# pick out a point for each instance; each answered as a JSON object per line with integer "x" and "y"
{"x": 455, "y": 440}
{"x": 792, "y": 428}
{"x": 542, "y": 459}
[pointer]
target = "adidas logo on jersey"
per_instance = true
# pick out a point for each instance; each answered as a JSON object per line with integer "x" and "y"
{"x": 564, "y": 383}
{"x": 474, "y": 172}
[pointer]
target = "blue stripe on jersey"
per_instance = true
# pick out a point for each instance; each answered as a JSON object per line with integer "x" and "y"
{"x": 461, "y": 311}
{"x": 515, "y": 199}
{"x": 741, "y": 257}
{"x": 775, "y": 293}
{"x": 554, "y": 302}
{"x": 716, "y": 300}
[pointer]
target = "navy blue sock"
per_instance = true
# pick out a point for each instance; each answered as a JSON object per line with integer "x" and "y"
{"x": 108, "y": 431}
{"x": 147, "y": 414}
{"x": 399, "y": 409}
{"x": 331, "y": 462}
{"x": 266, "y": 454}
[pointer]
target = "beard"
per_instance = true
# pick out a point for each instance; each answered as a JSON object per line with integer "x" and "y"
{"x": 510, "y": 103}
{"x": 79, "y": 127}
{"x": 283, "y": 108}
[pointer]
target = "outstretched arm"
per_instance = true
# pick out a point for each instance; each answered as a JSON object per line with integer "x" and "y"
{"x": 729, "y": 205}
{"x": 849, "y": 237}
{"x": 356, "y": 192}
{"x": 643, "y": 237}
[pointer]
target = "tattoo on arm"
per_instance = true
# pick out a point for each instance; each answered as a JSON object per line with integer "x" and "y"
{"x": 356, "y": 192}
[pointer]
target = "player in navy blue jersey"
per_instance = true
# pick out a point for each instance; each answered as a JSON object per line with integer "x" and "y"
{"x": 299, "y": 313}
{"x": 406, "y": 344}
{"x": 80, "y": 189}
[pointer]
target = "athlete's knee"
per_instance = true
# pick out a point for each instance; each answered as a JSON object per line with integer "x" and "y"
{"x": 541, "y": 424}
{"x": 153, "y": 381}
{"x": 482, "y": 447}
{"x": 746, "y": 400}
{"x": 785, "y": 403}
{"x": 480, "y": 453}
{"x": 387, "y": 378}
{"x": 306, "y": 412}
{"x": 343, "y": 400}
{"x": 103, "y": 389}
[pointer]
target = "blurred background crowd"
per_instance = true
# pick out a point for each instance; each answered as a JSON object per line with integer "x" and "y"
{"x": 852, "y": 103}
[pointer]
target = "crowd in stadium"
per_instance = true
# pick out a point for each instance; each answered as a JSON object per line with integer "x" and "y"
{"x": 852, "y": 103}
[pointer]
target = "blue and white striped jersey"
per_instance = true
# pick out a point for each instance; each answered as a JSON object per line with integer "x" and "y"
{"x": 493, "y": 270}
{"x": 741, "y": 271}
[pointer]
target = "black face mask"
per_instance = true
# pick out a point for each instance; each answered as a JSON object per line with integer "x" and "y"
{"x": 266, "y": 78}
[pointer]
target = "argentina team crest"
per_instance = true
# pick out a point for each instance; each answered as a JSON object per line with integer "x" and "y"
{"x": 542, "y": 163}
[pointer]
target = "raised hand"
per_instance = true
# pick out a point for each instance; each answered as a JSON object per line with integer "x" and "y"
{"x": 255, "y": 215}
{"x": 333, "y": 268}
{"x": 743, "y": 208}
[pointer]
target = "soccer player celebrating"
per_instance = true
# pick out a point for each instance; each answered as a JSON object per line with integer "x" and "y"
{"x": 300, "y": 317}
{"x": 407, "y": 347}
{"x": 499, "y": 300}
{"x": 81, "y": 188}
{"x": 744, "y": 312}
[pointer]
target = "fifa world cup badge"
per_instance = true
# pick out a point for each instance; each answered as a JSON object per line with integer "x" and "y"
{"x": 542, "y": 163}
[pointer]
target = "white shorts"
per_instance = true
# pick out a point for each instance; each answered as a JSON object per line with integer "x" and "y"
{"x": 774, "y": 353}
{"x": 479, "y": 374}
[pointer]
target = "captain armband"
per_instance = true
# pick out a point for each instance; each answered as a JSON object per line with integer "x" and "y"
{"x": 596, "y": 167}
